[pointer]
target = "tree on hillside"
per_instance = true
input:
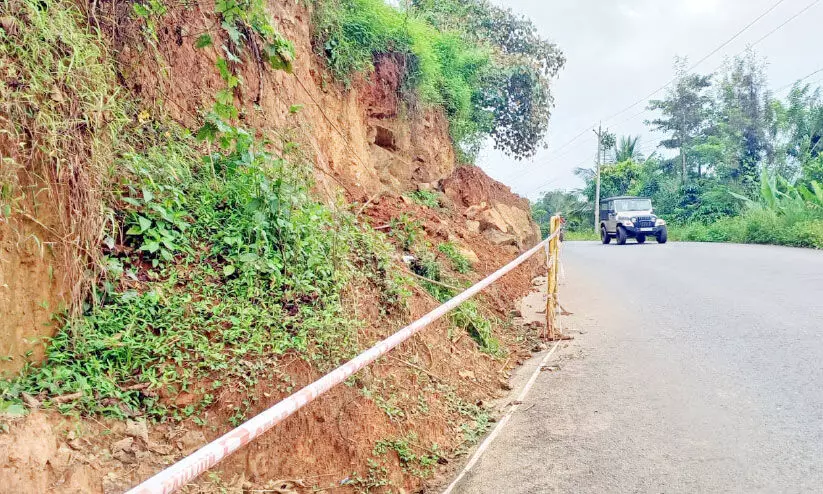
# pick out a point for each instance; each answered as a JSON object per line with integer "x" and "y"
{"x": 684, "y": 113}
{"x": 517, "y": 96}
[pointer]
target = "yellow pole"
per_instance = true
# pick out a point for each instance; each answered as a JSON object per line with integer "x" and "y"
{"x": 551, "y": 284}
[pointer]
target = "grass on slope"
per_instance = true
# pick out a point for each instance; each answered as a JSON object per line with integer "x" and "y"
{"x": 216, "y": 260}
{"x": 441, "y": 68}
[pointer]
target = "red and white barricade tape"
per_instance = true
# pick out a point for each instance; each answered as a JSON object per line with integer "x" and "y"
{"x": 179, "y": 474}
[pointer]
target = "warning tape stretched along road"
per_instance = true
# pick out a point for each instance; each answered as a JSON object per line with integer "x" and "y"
{"x": 179, "y": 474}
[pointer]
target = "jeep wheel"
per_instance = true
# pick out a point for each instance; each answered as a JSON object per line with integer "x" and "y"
{"x": 641, "y": 239}
{"x": 604, "y": 235}
{"x": 621, "y": 236}
{"x": 662, "y": 236}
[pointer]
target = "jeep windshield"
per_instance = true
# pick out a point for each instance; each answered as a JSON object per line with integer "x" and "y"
{"x": 632, "y": 205}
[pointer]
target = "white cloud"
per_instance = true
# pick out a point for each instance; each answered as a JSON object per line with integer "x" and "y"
{"x": 699, "y": 7}
{"x": 630, "y": 11}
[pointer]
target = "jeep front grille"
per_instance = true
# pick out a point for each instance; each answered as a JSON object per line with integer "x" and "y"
{"x": 645, "y": 222}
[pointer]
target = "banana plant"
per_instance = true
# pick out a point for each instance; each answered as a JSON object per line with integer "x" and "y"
{"x": 813, "y": 195}
{"x": 779, "y": 195}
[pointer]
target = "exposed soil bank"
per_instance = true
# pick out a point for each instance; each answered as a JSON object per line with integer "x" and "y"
{"x": 426, "y": 398}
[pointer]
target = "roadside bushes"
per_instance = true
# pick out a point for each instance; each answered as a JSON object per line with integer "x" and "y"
{"x": 784, "y": 214}
{"x": 757, "y": 226}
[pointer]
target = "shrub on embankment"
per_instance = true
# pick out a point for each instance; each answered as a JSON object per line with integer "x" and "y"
{"x": 485, "y": 66}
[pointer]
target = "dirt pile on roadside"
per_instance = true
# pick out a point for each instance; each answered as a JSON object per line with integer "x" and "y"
{"x": 491, "y": 207}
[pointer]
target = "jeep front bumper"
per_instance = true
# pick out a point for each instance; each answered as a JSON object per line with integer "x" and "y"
{"x": 634, "y": 231}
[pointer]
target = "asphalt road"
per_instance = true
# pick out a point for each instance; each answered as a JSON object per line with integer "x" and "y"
{"x": 697, "y": 368}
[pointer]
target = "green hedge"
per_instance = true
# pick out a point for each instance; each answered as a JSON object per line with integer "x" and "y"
{"x": 758, "y": 226}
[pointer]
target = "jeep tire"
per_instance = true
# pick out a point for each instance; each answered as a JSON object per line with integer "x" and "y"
{"x": 641, "y": 239}
{"x": 604, "y": 235}
{"x": 662, "y": 236}
{"x": 621, "y": 235}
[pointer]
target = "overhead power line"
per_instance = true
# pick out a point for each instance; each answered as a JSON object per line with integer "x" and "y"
{"x": 736, "y": 35}
{"x": 723, "y": 45}
{"x": 796, "y": 81}
{"x": 790, "y": 19}
{"x": 576, "y": 137}
{"x": 584, "y": 131}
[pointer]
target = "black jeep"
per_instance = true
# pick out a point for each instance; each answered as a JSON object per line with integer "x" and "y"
{"x": 626, "y": 216}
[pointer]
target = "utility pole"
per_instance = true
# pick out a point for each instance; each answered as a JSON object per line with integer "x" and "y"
{"x": 599, "y": 133}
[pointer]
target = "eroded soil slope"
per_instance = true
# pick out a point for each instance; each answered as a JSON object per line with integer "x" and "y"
{"x": 389, "y": 428}
{"x": 424, "y": 400}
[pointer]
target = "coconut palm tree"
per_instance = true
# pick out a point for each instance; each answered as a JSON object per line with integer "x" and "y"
{"x": 627, "y": 150}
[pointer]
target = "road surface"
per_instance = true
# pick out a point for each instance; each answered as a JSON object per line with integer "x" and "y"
{"x": 697, "y": 368}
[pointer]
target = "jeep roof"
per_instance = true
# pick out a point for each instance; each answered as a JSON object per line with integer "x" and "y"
{"x": 623, "y": 197}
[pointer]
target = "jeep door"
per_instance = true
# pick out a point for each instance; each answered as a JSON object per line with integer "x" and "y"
{"x": 611, "y": 221}
{"x": 604, "y": 214}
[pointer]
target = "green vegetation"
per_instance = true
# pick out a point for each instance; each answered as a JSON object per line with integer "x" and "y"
{"x": 744, "y": 166}
{"x": 581, "y": 235}
{"x": 453, "y": 54}
{"x": 227, "y": 263}
{"x": 458, "y": 260}
{"x": 475, "y": 419}
{"x": 406, "y": 231}
{"x": 575, "y": 209}
{"x": 207, "y": 259}
{"x": 207, "y": 263}
{"x": 215, "y": 260}
{"x": 784, "y": 214}
{"x": 60, "y": 116}
{"x": 419, "y": 465}
{"x": 469, "y": 316}
{"x": 426, "y": 198}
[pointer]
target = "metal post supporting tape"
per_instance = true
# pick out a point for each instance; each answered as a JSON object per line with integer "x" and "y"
{"x": 179, "y": 474}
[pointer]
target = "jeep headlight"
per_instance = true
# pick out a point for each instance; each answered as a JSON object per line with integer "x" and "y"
{"x": 660, "y": 222}
{"x": 627, "y": 222}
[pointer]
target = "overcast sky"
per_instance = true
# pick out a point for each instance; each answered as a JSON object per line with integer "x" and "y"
{"x": 620, "y": 51}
